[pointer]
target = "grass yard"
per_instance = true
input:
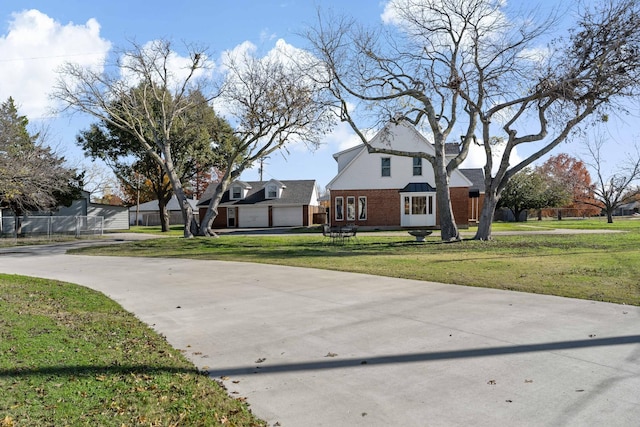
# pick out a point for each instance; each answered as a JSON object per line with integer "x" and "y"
{"x": 600, "y": 266}
{"x": 71, "y": 356}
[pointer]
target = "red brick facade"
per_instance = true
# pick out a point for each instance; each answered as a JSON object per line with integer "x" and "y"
{"x": 383, "y": 207}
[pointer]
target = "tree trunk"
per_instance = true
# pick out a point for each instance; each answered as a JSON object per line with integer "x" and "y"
{"x": 448, "y": 228}
{"x": 609, "y": 216}
{"x": 164, "y": 215}
{"x": 212, "y": 208}
{"x": 486, "y": 217}
{"x": 190, "y": 224}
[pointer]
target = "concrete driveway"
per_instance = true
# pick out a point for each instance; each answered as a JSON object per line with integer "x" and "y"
{"x": 320, "y": 348}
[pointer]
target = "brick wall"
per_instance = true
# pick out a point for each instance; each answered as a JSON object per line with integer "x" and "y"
{"x": 460, "y": 204}
{"x": 383, "y": 207}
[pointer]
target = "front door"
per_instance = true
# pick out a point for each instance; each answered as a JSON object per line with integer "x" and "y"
{"x": 417, "y": 209}
{"x": 231, "y": 217}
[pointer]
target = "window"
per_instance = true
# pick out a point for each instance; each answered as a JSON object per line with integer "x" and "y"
{"x": 386, "y": 166}
{"x": 351, "y": 208}
{"x": 362, "y": 208}
{"x": 236, "y": 192}
{"x": 419, "y": 205}
{"x": 272, "y": 191}
{"x": 339, "y": 209}
{"x": 417, "y": 166}
{"x": 430, "y": 205}
{"x": 407, "y": 205}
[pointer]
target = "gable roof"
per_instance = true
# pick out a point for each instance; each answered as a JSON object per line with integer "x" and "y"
{"x": 476, "y": 176}
{"x": 296, "y": 192}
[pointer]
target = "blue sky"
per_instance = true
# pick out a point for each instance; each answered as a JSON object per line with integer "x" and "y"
{"x": 36, "y": 36}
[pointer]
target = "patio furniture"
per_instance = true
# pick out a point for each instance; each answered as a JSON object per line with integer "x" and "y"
{"x": 349, "y": 232}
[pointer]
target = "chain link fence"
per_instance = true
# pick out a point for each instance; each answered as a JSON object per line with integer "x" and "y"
{"x": 48, "y": 226}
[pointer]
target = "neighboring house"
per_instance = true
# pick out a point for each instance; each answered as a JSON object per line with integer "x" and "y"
{"x": 627, "y": 209}
{"x": 149, "y": 213}
{"x": 114, "y": 217}
{"x": 382, "y": 190}
{"x": 286, "y": 203}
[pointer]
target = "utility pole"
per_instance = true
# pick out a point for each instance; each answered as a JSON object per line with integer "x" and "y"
{"x": 261, "y": 168}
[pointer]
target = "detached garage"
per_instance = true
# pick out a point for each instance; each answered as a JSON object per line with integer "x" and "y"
{"x": 263, "y": 204}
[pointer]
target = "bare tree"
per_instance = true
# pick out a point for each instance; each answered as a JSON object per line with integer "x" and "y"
{"x": 436, "y": 70}
{"x": 146, "y": 95}
{"x": 594, "y": 68}
{"x": 273, "y": 103}
{"x": 613, "y": 191}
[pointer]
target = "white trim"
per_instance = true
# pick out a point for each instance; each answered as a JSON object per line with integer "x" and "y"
{"x": 360, "y": 210}
{"x": 336, "y": 208}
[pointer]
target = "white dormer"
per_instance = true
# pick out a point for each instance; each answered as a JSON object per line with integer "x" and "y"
{"x": 273, "y": 189}
{"x": 238, "y": 190}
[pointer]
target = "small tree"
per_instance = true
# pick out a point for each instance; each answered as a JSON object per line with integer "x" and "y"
{"x": 573, "y": 175}
{"x": 613, "y": 190}
{"x": 529, "y": 189}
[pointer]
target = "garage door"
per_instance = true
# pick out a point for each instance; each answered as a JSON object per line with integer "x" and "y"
{"x": 253, "y": 217}
{"x": 287, "y": 216}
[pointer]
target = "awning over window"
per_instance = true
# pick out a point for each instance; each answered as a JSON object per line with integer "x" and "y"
{"x": 418, "y": 187}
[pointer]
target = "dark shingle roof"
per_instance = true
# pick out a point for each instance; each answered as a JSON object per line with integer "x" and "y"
{"x": 451, "y": 148}
{"x": 418, "y": 187}
{"x": 476, "y": 176}
{"x": 296, "y": 192}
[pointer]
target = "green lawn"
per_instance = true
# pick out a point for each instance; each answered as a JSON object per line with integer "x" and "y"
{"x": 600, "y": 266}
{"x": 71, "y": 356}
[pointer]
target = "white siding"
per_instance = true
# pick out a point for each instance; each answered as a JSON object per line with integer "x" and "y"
{"x": 364, "y": 171}
{"x": 115, "y": 217}
{"x": 287, "y": 216}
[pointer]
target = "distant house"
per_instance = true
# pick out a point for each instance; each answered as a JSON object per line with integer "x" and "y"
{"x": 149, "y": 213}
{"x": 628, "y": 209}
{"x": 382, "y": 190}
{"x": 261, "y": 204}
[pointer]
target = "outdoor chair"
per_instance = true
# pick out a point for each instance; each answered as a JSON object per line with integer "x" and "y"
{"x": 330, "y": 232}
{"x": 349, "y": 233}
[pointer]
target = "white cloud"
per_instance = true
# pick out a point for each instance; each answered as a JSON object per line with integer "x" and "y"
{"x": 477, "y": 157}
{"x": 32, "y": 50}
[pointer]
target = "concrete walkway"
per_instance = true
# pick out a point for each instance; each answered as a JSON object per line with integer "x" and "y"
{"x": 321, "y": 348}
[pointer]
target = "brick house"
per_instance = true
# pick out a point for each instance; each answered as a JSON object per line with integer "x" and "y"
{"x": 261, "y": 204}
{"x": 382, "y": 190}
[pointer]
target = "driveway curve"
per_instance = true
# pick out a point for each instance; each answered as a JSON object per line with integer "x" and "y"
{"x": 322, "y": 348}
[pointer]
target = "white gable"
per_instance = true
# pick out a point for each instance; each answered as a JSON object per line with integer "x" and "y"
{"x": 358, "y": 169}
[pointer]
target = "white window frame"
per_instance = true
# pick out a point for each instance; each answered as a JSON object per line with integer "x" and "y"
{"x": 339, "y": 209}
{"x": 272, "y": 191}
{"x": 417, "y": 165}
{"x": 362, "y": 208}
{"x": 384, "y": 168}
{"x": 351, "y": 208}
{"x": 233, "y": 192}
